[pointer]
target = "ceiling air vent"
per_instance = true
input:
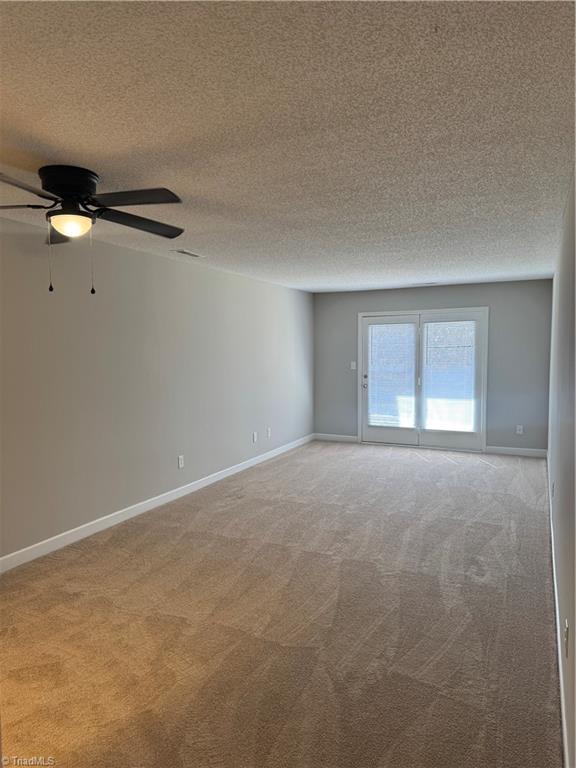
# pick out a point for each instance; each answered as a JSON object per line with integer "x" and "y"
{"x": 184, "y": 252}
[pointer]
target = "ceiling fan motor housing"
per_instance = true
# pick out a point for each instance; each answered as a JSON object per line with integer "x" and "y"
{"x": 69, "y": 182}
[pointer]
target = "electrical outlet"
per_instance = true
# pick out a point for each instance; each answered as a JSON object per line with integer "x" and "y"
{"x": 353, "y": 365}
{"x": 254, "y": 437}
{"x": 519, "y": 429}
{"x": 268, "y": 432}
{"x": 181, "y": 462}
{"x": 566, "y": 637}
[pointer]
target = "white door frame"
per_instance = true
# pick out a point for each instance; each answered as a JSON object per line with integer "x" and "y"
{"x": 483, "y": 313}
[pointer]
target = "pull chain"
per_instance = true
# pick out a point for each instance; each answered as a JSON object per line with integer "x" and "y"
{"x": 50, "y": 287}
{"x": 92, "y": 290}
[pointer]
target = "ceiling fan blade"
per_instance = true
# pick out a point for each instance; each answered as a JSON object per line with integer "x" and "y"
{"x": 22, "y": 185}
{"x": 56, "y": 238}
{"x": 154, "y": 196}
{"x": 13, "y": 207}
{"x": 138, "y": 222}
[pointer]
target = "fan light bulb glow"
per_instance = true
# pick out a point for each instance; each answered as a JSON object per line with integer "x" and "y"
{"x": 70, "y": 224}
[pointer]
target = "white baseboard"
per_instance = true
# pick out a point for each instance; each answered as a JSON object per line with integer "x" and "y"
{"x": 82, "y": 531}
{"x": 535, "y": 453}
{"x": 559, "y": 638}
{"x": 336, "y": 438}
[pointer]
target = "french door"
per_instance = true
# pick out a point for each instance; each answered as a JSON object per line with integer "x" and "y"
{"x": 422, "y": 378}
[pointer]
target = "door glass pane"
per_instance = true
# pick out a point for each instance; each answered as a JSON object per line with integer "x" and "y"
{"x": 448, "y": 376}
{"x": 392, "y": 375}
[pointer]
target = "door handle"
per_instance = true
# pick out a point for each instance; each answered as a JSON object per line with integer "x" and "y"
{"x": 365, "y": 386}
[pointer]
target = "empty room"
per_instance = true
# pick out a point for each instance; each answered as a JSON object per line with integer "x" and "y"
{"x": 287, "y": 352}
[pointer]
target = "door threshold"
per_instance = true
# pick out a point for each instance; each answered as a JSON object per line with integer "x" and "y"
{"x": 425, "y": 447}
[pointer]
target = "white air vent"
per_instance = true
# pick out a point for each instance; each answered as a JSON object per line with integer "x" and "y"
{"x": 184, "y": 252}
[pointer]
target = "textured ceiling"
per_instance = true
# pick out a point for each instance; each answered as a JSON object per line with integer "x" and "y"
{"x": 325, "y": 146}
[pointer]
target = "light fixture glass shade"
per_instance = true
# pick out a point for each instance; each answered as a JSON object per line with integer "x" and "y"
{"x": 71, "y": 224}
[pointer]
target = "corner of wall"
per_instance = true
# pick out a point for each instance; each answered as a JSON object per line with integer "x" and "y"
{"x": 561, "y": 452}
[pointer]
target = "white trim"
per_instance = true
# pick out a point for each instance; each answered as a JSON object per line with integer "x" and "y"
{"x": 446, "y": 311}
{"x": 82, "y": 531}
{"x": 559, "y": 638}
{"x": 336, "y": 438}
{"x": 359, "y": 379}
{"x": 535, "y": 453}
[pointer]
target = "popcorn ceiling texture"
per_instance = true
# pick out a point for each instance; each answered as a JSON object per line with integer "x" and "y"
{"x": 324, "y": 146}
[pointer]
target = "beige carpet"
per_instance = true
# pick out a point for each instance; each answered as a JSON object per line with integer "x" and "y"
{"x": 343, "y": 606}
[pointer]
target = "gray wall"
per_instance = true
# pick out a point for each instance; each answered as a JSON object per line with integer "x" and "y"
{"x": 518, "y": 353}
{"x": 101, "y": 393}
{"x": 561, "y": 454}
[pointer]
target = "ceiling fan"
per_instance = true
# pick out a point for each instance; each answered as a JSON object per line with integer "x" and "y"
{"x": 75, "y": 205}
